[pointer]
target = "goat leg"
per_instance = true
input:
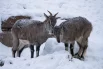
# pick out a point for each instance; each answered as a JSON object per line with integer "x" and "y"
{"x": 32, "y": 50}
{"x": 66, "y": 46}
{"x": 84, "y": 51}
{"x": 20, "y": 51}
{"x": 13, "y": 53}
{"x": 78, "y": 54}
{"x": 84, "y": 45}
{"x": 72, "y": 49}
{"x": 37, "y": 50}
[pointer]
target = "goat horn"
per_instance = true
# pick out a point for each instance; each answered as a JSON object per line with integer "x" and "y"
{"x": 2, "y": 20}
{"x": 55, "y": 14}
{"x": 45, "y": 15}
{"x": 50, "y": 13}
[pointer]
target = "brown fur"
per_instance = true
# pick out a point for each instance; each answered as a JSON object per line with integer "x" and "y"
{"x": 6, "y": 39}
{"x": 74, "y": 29}
{"x": 7, "y": 24}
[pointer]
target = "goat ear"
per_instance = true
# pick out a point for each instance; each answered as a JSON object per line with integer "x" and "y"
{"x": 55, "y": 14}
{"x": 45, "y": 15}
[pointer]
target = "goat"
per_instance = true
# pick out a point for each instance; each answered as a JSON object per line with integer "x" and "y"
{"x": 36, "y": 32}
{"x": 74, "y": 29}
{"x": 6, "y": 25}
{"x": 6, "y": 39}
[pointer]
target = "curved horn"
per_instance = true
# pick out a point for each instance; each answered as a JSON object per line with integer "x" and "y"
{"x": 50, "y": 13}
{"x": 2, "y": 21}
{"x": 45, "y": 15}
{"x": 55, "y": 14}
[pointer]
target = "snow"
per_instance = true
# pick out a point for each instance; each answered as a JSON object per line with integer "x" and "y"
{"x": 52, "y": 54}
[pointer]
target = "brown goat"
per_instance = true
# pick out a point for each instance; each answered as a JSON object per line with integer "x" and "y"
{"x": 7, "y": 24}
{"x": 36, "y": 32}
{"x": 6, "y": 39}
{"x": 74, "y": 29}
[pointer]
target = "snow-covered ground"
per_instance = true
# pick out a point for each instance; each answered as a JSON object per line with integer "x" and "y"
{"x": 52, "y": 54}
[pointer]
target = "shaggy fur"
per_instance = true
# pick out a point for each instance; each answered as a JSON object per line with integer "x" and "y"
{"x": 6, "y": 25}
{"x": 6, "y": 39}
{"x": 74, "y": 29}
{"x": 36, "y": 32}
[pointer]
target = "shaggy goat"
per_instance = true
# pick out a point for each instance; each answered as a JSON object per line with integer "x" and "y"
{"x": 6, "y": 25}
{"x": 6, "y": 39}
{"x": 36, "y": 32}
{"x": 74, "y": 29}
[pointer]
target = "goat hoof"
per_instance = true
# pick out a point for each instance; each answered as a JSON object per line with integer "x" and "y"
{"x": 1, "y": 63}
{"x": 77, "y": 56}
{"x": 37, "y": 55}
{"x": 82, "y": 58}
{"x": 13, "y": 53}
{"x": 32, "y": 57}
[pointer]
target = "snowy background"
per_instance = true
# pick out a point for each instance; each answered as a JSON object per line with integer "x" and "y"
{"x": 52, "y": 54}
